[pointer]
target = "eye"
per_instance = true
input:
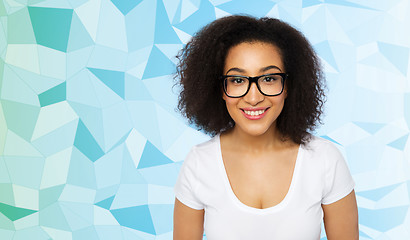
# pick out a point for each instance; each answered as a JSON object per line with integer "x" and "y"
{"x": 236, "y": 80}
{"x": 271, "y": 78}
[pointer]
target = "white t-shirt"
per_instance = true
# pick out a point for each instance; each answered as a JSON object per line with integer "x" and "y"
{"x": 320, "y": 176}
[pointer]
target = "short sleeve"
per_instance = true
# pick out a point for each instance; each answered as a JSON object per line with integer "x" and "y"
{"x": 187, "y": 182}
{"x": 338, "y": 180}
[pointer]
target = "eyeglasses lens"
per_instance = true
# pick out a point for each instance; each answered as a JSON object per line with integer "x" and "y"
{"x": 236, "y": 86}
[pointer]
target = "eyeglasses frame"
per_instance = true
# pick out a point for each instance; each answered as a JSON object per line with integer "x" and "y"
{"x": 254, "y": 80}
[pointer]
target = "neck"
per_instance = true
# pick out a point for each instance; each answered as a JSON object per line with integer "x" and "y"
{"x": 269, "y": 140}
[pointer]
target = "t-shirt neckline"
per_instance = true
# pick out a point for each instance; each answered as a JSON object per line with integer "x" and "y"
{"x": 245, "y": 207}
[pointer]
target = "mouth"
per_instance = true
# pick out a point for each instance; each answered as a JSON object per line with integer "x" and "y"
{"x": 254, "y": 113}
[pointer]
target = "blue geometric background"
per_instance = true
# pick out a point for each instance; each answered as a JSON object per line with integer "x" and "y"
{"x": 91, "y": 144}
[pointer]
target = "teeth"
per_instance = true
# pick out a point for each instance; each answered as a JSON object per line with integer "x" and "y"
{"x": 254, "y": 113}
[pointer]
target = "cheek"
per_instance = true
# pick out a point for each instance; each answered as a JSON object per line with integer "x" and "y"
{"x": 281, "y": 103}
{"x": 231, "y": 105}
{"x": 230, "y": 102}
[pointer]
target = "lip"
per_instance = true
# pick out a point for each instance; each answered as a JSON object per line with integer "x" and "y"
{"x": 255, "y": 117}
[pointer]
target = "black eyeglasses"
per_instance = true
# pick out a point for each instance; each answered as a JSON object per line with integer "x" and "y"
{"x": 236, "y": 86}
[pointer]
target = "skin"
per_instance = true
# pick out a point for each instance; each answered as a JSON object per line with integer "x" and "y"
{"x": 264, "y": 182}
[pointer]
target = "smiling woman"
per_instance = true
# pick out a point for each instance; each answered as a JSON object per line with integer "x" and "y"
{"x": 263, "y": 174}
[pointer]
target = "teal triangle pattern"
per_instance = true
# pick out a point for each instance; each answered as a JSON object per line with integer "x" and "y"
{"x": 53, "y": 95}
{"x": 158, "y": 213}
{"x": 51, "y": 26}
{"x": 151, "y": 156}
{"x": 346, "y": 4}
{"x": 79, "y": 37}
{"x": 164, "y": 33}
{"x": 407, "y": 108}
{"x": 379, "y": 193}
{"x": 370, "y": 127}
{"x": 330, "y": 139}
{"x": 85, "y": 142}
{"x": 325, "y": 51}
{"x": 21, "y": 118}
{"x": 397, "y": 55}
{"x": 408, "y": 188}
{"x": 138, "y": 218}
{"x": 309, "y": 3}
{"x": 383, "y": 219}
{"x": 125, "y": 6}
{"x": 399, "y": 143}
{"x": 14, "y": 213}
{"x": 157, "y": 58}
{"x": 115, "y": 80}
{"x": 20, "y": 30}
{"x": 204, "y": 15}
{"x": 50, "y": 195}
{"x": 361, "y": 234}
{"x": 258, "y": 8}
{"x": 106, "y": 203}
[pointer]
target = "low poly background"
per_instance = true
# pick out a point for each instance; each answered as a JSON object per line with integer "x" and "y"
{"x": 91, "y": 144}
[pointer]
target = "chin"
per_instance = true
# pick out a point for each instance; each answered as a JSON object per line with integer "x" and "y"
{"x": 255, "y": 131}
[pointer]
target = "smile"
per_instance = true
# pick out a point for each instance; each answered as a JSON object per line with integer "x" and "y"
{"x": 254, "y": 114}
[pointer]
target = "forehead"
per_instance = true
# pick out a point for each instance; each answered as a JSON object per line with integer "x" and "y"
{"x": 251, "y": 56}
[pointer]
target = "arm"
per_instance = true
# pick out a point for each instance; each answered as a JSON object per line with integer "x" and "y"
{"x": 188, "y": 222}
{"x": 341, "y": 219}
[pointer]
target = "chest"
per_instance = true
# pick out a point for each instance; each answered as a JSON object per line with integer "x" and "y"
{"x": 259, "y": 182}
{"x": 258, "y": 188}
{"x": 239, "y": 208}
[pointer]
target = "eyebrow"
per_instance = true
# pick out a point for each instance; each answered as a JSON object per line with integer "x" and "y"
{"x": 264, "y": 69}
{"x": 269, "y": 68}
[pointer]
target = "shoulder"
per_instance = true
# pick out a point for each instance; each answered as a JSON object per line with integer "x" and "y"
{"x": 318, "y": 144}
{"x": 207, "y": 147}
{"x": 196, "y": 161}
{"x": 322, "y": 150}
{"x": 204, "y": 150}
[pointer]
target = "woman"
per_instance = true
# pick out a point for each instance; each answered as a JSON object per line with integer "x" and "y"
{"x": 256, "y": 86}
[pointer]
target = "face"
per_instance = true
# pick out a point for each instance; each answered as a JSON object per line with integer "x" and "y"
{"x": 255, "y": 114}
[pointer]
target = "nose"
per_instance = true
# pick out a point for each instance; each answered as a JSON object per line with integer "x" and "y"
{"x": 253, "y": 97}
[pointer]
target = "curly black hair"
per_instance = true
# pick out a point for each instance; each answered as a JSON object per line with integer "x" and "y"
{"x": 201, "y": 64}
